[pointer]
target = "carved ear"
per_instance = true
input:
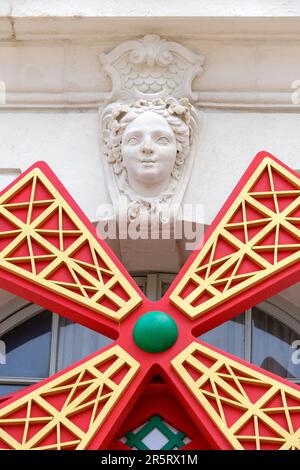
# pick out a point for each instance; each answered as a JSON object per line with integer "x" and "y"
{"x": 51, "y": 254}
{"x": 252, "y": 249}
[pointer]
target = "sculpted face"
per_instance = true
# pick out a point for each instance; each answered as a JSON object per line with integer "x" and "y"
{"x": 149, "y": 153}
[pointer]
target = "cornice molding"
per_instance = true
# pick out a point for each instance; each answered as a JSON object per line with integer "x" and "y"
{"x": 16, "y": 28}
{"x": 90, "y": 101}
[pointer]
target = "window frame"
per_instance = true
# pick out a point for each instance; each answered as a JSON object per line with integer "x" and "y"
{"x": 17, "y": 311}
{"x": 15, "y": 318}
{"x": 152, "y": 283}
{"x": 274, "y": 308}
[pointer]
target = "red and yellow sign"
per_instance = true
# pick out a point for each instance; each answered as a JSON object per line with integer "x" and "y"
{"x": 51, "y": 255}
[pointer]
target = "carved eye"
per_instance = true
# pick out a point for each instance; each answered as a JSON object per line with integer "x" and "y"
{"x": 133, "y": 141}
{"x": 163, "y": 140}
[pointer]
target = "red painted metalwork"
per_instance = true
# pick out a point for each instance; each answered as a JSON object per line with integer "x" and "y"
{"x": 243, "y": 389}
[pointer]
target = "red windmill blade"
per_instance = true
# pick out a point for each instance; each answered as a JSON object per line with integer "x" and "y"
{"x": 251, "y": 252}
{"x": 48, "y": 244}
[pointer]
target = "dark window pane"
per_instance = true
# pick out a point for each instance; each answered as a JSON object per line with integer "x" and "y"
{"x": 7, "y": 389}
{"x": 28, "y": 348}
{"x": 142, "y": 287}
{"x": 272, "y": 345}
{"x": 164, "y": 287}
{"x": 141, "y": 282}
{"x": 229, "y": 336}
{"x": 77, "y": 342}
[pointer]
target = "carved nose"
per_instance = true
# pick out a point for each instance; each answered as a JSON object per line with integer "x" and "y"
{"x": 147, "y": 147}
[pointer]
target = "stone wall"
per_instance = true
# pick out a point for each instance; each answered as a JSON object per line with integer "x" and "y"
{"x": 54, "y": 84}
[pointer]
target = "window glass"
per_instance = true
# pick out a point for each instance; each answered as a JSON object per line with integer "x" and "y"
{"x": 272, "y": 345}
{"x": 164, "y": 287}
{"x": 6, "y": 389}
{"x": 229, "y": 337}
{"x": 142, "y": 287}
{"x": 77, "y": 342}
{"x": 27, "y": 348}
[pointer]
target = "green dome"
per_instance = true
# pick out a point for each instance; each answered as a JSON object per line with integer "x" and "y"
{"x": 155, "y": 332}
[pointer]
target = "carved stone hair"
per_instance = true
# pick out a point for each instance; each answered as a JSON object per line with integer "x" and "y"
{"x": 115, "y": 119}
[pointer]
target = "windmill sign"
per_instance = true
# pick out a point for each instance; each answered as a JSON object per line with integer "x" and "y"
{"x": 51, "y": 255}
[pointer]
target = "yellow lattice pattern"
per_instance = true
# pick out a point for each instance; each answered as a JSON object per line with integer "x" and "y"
{"x": 252, "y": 410}
{"x": 44, "y": 241}
{"x": 68, "y": 411}
{"x": 258, "y": 236}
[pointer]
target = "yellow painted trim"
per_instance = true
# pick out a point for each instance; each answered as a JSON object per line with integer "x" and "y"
{"x": 86, "y": 289}
{"x": 71, "y": 383}
{"x": 216, "y": 275}
{"x": 237, "y": 398}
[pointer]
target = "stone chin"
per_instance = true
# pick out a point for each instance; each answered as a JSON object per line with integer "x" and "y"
{"x": 151, "y": 173}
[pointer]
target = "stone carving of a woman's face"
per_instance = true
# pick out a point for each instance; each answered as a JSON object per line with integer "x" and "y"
{"x": 149, "y": 152}
{"x": 147, "y": 145}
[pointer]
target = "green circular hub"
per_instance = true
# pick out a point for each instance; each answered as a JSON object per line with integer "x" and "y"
{"x": 155, "y": 332}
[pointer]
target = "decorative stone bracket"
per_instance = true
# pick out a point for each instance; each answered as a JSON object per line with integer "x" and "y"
{"x": 150, "y": 68}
